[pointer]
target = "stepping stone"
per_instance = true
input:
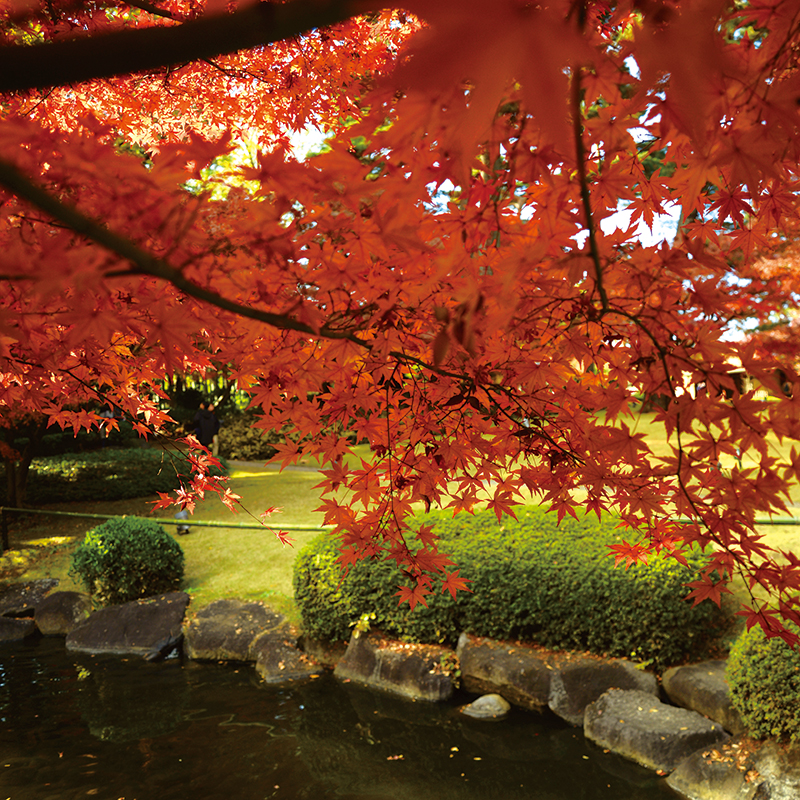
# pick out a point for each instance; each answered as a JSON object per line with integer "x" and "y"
{"x": 412, "y": 671}
{"x": 521, "y": 674}
{"x": 488, "y": 706}
{"x": 15, "y": 630}
{"x": 61, "y": 612}
{"x": 702, "y": 687}
{"x": 579, "y": 681}
{"x": 279, "y": 660}
{"x": 21, "y": 599}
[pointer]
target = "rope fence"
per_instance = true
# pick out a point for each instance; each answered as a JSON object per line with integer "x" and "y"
{"x": 6, "y": 512}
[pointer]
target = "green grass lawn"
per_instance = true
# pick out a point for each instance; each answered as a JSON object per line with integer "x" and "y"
{"x": 220, "y": 561}
{"x": 250, "y": 563}
{"x": 245, "y": 562}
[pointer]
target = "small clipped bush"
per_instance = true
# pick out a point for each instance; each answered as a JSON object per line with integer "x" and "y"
{"x": 764, "y": 679}
{"x": 533, "y": 579}
{"x": 126, "y": 558}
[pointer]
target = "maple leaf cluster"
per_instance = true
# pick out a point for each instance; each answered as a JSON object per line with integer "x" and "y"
{"x": 460, "y": 279}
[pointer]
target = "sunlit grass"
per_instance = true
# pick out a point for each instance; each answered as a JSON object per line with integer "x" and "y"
{"x": 292, "y": 491}
{"x": 252, "y": 563}
{"x": 220, "y": 561}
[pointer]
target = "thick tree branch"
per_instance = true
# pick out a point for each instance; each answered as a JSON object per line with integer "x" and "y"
{"x": 13, "y": 180}
{"x": 69, "y": 217}
{"x": 24, "y": 67}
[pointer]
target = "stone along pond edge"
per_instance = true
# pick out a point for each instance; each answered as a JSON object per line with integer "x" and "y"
{"x": 683, "y": 728}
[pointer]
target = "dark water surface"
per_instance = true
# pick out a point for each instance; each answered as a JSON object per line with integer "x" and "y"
{"x": 75, "y": 726}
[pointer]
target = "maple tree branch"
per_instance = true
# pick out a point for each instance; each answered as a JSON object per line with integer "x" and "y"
{"x": 389, "y": 448}
{"x": 39, "y": 102}
{"x": 122, "y": 52}
{"x": 236, "y": 73}
{"x": 583, "y": 182}
{"x": 168, "y": 444}
{"x": 13, "y": 180}
{"x": 151, "y": 9}
{"x": 72, "y": 219}
{"x": 444, "y": 373}
{"x": 537, "y": 420}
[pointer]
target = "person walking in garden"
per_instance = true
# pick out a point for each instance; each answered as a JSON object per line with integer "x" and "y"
{"x": 215, "y": 440}
{"x": 206, "y": 424}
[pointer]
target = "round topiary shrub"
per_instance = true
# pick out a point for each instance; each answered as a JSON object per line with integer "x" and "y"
{"x": 127, "y": 558}
{"x": 764, "y": 679}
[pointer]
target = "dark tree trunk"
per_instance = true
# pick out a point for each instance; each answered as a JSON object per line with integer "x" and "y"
{"x": 17, "y": 470}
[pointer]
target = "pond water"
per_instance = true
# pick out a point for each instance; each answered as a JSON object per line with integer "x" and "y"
{"x": 74, "y": 726}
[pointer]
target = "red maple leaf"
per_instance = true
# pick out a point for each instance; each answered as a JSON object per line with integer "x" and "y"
{"x": 453, "y": 583}
{"x": 707, "y": 589}
{"x": 412, "y": 595}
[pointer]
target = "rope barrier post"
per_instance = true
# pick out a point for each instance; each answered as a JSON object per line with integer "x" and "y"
{"x": 4, "y": 529}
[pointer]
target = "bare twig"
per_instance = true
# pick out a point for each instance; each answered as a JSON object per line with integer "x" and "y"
{"x": 142, "y": 5}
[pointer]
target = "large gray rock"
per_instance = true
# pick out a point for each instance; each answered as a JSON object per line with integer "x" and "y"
{"x": 740, "y": 770}
{"x": 779, "y": 768}
{"x": 279, "y": 660}
{"x": 323, "y": 652}
{"x": 521, "y": 673}
{"x": 580, "y": 680}
{"x": 226, "y": 629}
{"x": 21, "y": 599}
{"x": 149, "y": 627}
{"x": 60, "y": 612}
{"x": 637, "y": 726}
{"x": 725, "y": 772}
{"x": 702, "y": 688}
{"x": 14, "y": 630}
{"x": 412, "y": 671}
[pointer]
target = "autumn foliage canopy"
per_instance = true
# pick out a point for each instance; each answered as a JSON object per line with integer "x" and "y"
{"x": 460, "y": 279}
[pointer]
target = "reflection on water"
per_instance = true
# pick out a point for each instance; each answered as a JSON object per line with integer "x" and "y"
{"x": 123, "y": 729}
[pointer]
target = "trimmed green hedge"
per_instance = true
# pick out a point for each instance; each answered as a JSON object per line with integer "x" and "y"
{"x": 764, "y": 679}
{"x": 240, "y": 441}
{"x": 108, "y": 474}
{"x": 532, "y": 579}
{"x": 57, "y": 442}
{"x": 126, "y": 558}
